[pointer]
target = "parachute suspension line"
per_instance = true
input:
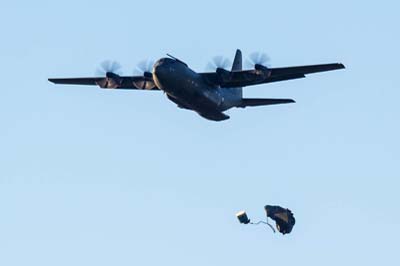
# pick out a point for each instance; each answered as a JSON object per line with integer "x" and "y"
{"x": 272, "y": 228}
{"x": 260, "y": 222}
{"x": 267, "y": 223}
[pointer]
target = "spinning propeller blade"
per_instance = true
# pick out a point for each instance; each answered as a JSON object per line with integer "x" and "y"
{"x": 108, "y": 66}
{"x": 144, "y": 68}
{"x": 258, "y": 59}
{"x": 219, "y": 62}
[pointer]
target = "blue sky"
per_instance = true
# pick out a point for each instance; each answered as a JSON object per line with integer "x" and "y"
{"x": 95, "y": 177}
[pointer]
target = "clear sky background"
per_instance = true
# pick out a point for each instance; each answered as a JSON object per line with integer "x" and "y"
{"x": 100, "y": 177}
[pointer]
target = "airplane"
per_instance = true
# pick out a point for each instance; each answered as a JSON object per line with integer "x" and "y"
{"x": 208, "y": 93}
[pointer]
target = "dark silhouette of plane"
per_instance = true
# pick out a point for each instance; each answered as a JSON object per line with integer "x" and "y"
{"x": 210, "y": 93}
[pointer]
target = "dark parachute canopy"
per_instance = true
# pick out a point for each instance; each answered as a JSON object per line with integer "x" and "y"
{"x": 283, "y": 217}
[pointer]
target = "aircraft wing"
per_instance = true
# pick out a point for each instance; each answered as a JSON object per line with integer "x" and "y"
{"x": 263, "y": 75}
{"x": 112, "y": 81}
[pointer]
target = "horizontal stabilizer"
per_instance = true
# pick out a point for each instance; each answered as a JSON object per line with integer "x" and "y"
{"x": 261, "y": 102}
{"x": 214, "y": 116}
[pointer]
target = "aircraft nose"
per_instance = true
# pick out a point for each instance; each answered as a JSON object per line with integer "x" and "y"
{"x": 158, "y": 67}
{"x": 157, "y": 64}
{"x": 161, "y": 66}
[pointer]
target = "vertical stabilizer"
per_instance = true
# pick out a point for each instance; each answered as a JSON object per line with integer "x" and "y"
{"x": 237, "y": 62}
{"x": 238, "y": 66}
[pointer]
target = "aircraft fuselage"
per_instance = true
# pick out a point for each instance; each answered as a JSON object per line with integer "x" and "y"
{"x": 189, "y": 90}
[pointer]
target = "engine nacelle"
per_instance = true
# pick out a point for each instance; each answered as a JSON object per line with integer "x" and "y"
{"x": 111, "y": 81}
{"x": 260, "y": 67}
{"x": 263, "y": 69}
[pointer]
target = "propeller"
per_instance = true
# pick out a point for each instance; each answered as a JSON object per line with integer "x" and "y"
{"x": 110, "y": 70}
{"x": 108, "y": 66}
{"x": 144, "y": 67}
{"x": 258, "y": 59}
{"x": 219, "y": 62}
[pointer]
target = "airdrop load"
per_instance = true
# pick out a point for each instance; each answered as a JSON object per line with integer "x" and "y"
{"x": 283, "y": 218}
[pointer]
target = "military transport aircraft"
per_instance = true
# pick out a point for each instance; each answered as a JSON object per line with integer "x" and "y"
{"x": 210, "y": 93}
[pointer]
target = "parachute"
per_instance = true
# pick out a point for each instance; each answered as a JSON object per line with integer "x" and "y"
{"x": 283, "y": 218}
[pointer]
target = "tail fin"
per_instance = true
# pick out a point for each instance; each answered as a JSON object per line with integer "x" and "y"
{"x": 237, "y": 62}
{"x": 238, "y": 66}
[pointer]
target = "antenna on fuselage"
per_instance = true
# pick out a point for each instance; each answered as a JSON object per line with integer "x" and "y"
{"x": 177, "y": 59}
